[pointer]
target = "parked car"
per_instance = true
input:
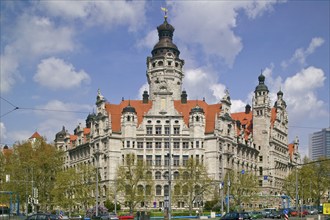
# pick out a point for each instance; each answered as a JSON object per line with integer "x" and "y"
{"x": 256, "y": 215}
{"x": 268, "y": 211}
{"x": 313, "y": 211}
{"x": 123, "y": 217}
{"x": 275, "y": 214}
{"x": 236, "y": 216}
{"x": 42, "y": 216}
{"x": 293, "y": 213}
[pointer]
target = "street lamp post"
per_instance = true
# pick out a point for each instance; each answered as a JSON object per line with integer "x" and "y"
{"x": 169, "y": 167}
{"x": 228, "y": 193}
{"x": 97, "y": 156}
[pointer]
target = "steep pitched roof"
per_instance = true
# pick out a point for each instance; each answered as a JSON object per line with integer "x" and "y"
{"x": 35, "y": 135}
{"x": 115, "y": 111}
{"x": 291, "y": 150}
{"x": 245, "y": 120}
{"x": 210, "y": 112}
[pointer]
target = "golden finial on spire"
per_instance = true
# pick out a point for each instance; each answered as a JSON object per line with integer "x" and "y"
{"x": 165, "y": 10}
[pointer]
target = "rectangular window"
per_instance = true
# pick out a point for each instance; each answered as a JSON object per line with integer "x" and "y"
{"x": 197, "y": 144}
{"x": 185, "y": 145}
{"x": 260, "y": 182}
{"x": 167, "y": 130}
{"x": 149, "y": 145}
{"x": 128, "y": 144}
{"x": 176, "y": 130}
{"x": 167, "y": 145}
{"x": 158, "y": 130}
{"x": 197, "y": 159}
{"x": 185, "y": 160}
{"x": 158, "y": 161}
{"x": 260, "y": 171}
{"x": 140, "y": 158}
{"x": 176, "y": 160}
{"x": 158, "y": 145}
{"x": 149, "y": 130}
{"x": 176, "y": 145}
{"x": 260, "y": 158}
{"x": 149, "y": 160}
{"x": 140, "y": 145}
{"x": 166, "y": 161}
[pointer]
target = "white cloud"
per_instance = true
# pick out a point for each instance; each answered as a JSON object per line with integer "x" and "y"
{"x": 61, "y": 114}
{"x": 55, "y": 73}
{"x": 210, "y": 25}
{"x": 301, "y": 54}
{"x": 3, "y": 131}
{"x": 31, "y": 38}
{"x": 8, "y": 72}
{"x": 301, "y": 93}
{"x": 105, "y": 13}
{"x": 38, "y": 36}
{"x": 149, "y": 40}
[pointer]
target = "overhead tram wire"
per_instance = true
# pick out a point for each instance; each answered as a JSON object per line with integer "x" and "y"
{"x": 38, "y": 109}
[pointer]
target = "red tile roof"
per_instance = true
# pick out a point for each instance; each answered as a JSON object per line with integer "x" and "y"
{"x": 245, "y": 119}
{"x": 291, "y": 150}
{"x": 115, "y": 111}
{"x": 35, "y": 135}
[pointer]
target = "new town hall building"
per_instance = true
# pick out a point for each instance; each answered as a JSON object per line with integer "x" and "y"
{"x": 255, "y": 140}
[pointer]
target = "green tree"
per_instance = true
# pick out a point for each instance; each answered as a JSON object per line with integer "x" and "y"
{"x": 72, "y": 188}
{"x": 33, "y": 164}
{"x": 193, "y": 184}
{"x": 243, "y": 187}
{"x": 312, "y": 179}
{"x": 134, "y": 182}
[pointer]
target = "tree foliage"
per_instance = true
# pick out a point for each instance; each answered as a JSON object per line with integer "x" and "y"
{"x": 134, "y": 183}
{"x": 312, "y": 179}
{"x": 32, "y": 164}
{"x": 243, "y": 187}
{"x": 73, "y": 186}
{"x": 193, "y": 185}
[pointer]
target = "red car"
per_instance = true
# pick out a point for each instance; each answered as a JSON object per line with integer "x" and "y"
{"x": 124, "y": 217}
{"x": 293, "y": 213}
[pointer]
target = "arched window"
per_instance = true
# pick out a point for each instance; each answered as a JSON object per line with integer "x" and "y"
{"x": 158, "y": 175}
{"x": 158, "y": 190}
{"x": 166, "y": 190}
{"x": 185, "y": 190}
{"x": 185, "y": 175}
{"x": 149, "y": 175}
{"x": 160, "y": 63}
{"x": 176, "y": 175}
{"x": 140, "y": 190}
{"x": 177, "y": 190}
{"x": 128, "y": 118}
{"x": 148, "y": 190}
{"x": 197, "y": 118}
{"x": 165, "y": 175}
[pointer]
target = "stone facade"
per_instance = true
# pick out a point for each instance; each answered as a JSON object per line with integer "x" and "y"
{"x": 255, "y": 140}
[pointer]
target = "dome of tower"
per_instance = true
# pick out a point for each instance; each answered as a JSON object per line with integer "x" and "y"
{"x": 165, "y": 34}
{"x": 129, "y": 108}
{"x": 280, "y": 93}
{"x": 197, "y": 109}
{"x": 261, "y": 86}
{"x": 61, "y": 134}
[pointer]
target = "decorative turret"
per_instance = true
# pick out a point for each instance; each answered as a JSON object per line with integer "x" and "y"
{"x": 129, "y": 109}
{"x": 261, "y": 87}
{"x": 145, "y": 97}
{"x": 184, "y": 97}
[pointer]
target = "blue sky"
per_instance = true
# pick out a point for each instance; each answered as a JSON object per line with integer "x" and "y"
{"x": 55, "y": 55}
